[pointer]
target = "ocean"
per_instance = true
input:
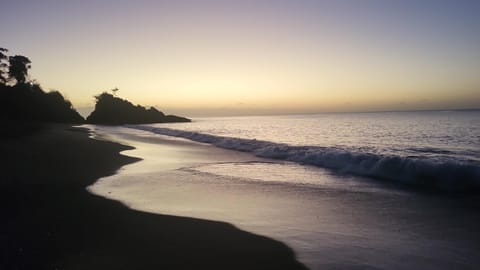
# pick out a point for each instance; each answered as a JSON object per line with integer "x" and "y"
{"x": 392, "y": 190}
{"x": 431, "y": 149}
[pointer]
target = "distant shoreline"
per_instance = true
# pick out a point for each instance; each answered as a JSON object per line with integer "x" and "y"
{"x": 85, "y": 111}
{"x": 53, "y": 222}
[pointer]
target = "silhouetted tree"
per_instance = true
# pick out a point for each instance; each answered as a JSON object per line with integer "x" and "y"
{"x": 3, "y": 66}
{"x": 22, "y": 102}
{"x": 18, "y": 68}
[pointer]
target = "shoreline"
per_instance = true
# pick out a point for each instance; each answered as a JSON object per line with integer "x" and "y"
{"x": 339, "y": 221}
{"x": 53, "y": 222}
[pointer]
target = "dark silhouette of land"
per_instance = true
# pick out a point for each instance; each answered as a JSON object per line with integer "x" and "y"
{"x": 25, "y": 101}
{"x": 50, "y": 221}
{"x": 29, "y": 103}
{"x": 112, "y": 110}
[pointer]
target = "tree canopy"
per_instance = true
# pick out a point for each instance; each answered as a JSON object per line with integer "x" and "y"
{"x": 18, "y": 69}
{"x": 23, "y": 100}
{"x": 13, "y": 69}
{"x": 4, "y": 64}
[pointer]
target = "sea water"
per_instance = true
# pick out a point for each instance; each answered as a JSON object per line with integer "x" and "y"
{"x": 342, "y": 190}
{"x": 435, "y": 149}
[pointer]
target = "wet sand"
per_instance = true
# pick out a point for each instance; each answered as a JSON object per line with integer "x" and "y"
{"x": 50, "y": 220}
{"x": 332, "y": 221}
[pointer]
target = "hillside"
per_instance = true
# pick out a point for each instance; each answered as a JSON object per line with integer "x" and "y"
{"x": 26, "y": 102}
{"x": 111, "y": 110}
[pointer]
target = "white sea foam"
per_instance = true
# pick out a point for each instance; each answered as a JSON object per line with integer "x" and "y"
{"x": 446, "y": 174}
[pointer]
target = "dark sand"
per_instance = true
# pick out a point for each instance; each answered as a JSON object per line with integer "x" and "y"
{"x": 50, "y": 221}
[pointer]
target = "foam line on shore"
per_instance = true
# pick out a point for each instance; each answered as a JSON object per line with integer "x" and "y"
{"x": 451, "y": 175}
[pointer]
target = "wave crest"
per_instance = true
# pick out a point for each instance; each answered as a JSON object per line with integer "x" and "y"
{"x": 437, "y": 173}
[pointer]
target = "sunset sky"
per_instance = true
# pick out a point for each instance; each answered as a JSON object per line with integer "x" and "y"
{"x": 248, "y": 57}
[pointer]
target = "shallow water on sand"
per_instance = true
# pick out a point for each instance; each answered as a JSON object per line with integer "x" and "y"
{"x": 331, "y": 220}
{"x": 436, "y": 150}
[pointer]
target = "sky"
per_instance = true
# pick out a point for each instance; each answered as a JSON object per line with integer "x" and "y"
{"x": 253, "y": 57}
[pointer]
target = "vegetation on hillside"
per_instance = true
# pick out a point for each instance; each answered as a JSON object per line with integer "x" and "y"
{"x": 112, "y": 110}
{"x": 24, "y": 100}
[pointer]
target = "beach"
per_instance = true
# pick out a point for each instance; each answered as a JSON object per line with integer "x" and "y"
{"x": 321, "y": 135}
{"x": 116, "y": 197}
{"x": 331, "y": 220}
{"x": 50, "y": 220}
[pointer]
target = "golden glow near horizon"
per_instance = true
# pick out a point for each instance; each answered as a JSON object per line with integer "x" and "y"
{"x": 250, "y": 58}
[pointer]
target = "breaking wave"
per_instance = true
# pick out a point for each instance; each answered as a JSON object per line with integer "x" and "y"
{"x": 445, "y": 174}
